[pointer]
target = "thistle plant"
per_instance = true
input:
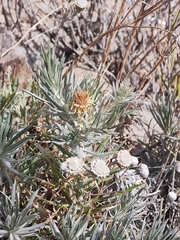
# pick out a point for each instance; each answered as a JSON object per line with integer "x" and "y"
{"x": 80, "y": 113}
{"x": 15, "y": 222}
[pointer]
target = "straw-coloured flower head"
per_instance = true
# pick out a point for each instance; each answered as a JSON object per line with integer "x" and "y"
{"x": 124, "y": 158}
{"x": 100, "y": 168}
{"x": 73, "y": 165}
{"x": 82, "y": 102}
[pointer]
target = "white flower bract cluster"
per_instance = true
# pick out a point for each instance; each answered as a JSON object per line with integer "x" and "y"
{"x": 99, "y": 168}
{"x": 73, "y": 165}
{"x": 125, "y": 159}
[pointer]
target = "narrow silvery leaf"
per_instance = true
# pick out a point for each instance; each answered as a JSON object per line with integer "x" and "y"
{"x": 28, "y": 206}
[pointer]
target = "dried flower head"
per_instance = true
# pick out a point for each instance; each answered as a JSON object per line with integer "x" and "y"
{"x": 124, "y": 158}
{"x": 82, "y": 102}
{"x": 81, "y": 4}
{"x": 100, "y": 168}
{"x": 73, "y": 165}
{"x": 143, "y": 170}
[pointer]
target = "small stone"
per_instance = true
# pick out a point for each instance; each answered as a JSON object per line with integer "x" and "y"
{"x": 172, "y": 196}
{"x": 100, "y": 168}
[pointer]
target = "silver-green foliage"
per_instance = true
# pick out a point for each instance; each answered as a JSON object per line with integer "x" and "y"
{"x": 8, "y": 94}
{"x": 158, "y": 231}
{"x": 74, "y": 130}
{"x": 73, "y": 228}
{"x": 11, "y": 142}
{"x": 114, "y": 224}
{"x": 15, "y": 223}
{"x": 164, "y": 113}
{"x": 119, "y": 222}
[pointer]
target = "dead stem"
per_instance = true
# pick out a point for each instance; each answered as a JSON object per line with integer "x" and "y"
{"x": 111, "y": 37}
{"x": 113, "y": 29}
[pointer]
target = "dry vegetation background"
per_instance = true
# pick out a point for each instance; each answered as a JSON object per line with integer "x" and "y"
{"x": 72, "y": 33}
{"x": 134, "y": 54}
{"x": 137, "y": 52}
{"x": 116, "y": 42}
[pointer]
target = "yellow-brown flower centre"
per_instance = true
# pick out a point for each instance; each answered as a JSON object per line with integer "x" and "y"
{"x": 81, "y": 101}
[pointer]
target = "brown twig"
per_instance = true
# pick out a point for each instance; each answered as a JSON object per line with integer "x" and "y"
{"x": 103, "y": 35}
{"x": 148, "y": 52}
{"x": 107, "y": 48}
{"x": 129, "y": 44}
{"x": 145, "y": 13}
{"x": 140, "y": 14}
{"x": 152, "y": 70}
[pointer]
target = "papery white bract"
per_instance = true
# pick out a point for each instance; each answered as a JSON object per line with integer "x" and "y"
{"x": 100, "y": 168}
{"x": 73, "y": 165}
{"x": 124, "y": 158}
